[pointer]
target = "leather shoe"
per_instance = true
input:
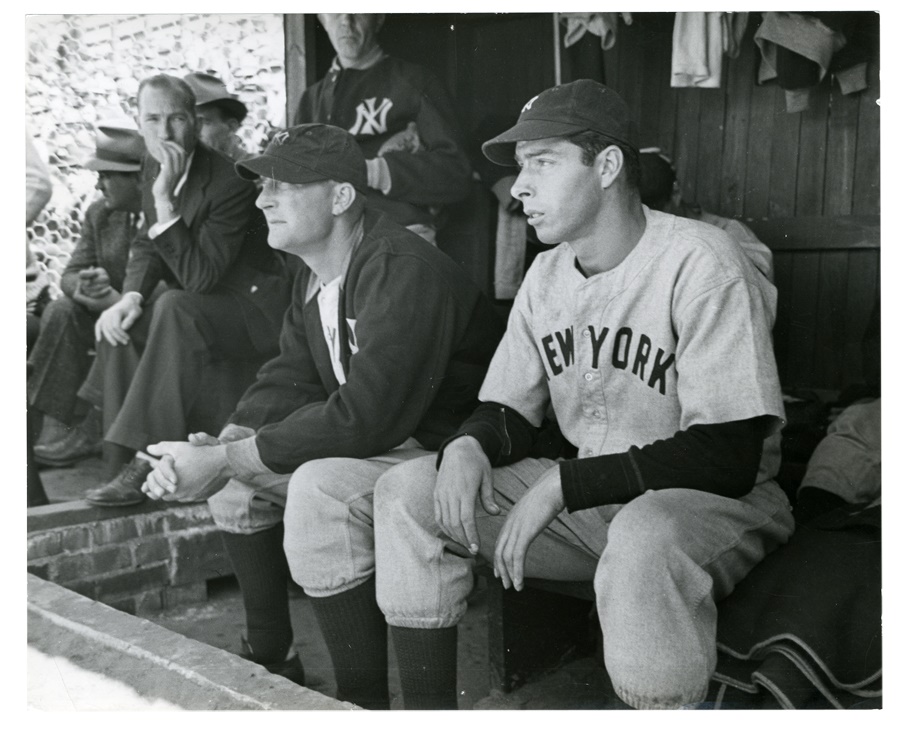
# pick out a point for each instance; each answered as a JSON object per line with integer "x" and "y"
{"x": 290, "y": 668}
{"x": 124, "y": 488}
{"x": 74, "y": 447}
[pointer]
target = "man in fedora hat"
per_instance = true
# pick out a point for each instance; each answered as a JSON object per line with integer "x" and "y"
{"x": 226, "y": 293}
{"x": 647, "y": 338}
{"x": 382, "y": 353}
{"x": 91, "y": 282}
{"x": 219, "y": 115}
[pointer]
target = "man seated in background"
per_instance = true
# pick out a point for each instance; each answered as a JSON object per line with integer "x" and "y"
{"x": 382, "y": 353}
{"x": 227, "y": 291}
{"x": 402, "y": 118}
{"x": 660, "y": 191}
{"x": 219, "y": 115}
{"x": 91, "y": 282}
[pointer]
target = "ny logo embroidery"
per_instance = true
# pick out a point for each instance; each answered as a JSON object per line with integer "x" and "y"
{"x": 280, "y": 138}
{"x": 528, "y": 104}
{"x": 371, "y": 120}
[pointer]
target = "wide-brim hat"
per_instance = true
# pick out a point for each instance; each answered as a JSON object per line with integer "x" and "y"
{"x": 211, "y": 91}
{"x": 309, "y": 153}
{"x": 117, "y": 150}
{"x": 561, "y": 111}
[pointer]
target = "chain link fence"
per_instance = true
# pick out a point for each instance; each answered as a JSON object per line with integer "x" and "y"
{"x": 83, "y": 68}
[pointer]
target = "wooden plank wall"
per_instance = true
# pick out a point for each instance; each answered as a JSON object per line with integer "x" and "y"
{"x": 737, "y": 150}
{"x": 808, "y": 183}
{"x": 825, "y": 268}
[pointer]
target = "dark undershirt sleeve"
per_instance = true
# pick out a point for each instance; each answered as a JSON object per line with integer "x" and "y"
{"x": 722, "y": 459}
{"x": 504, "y": 434}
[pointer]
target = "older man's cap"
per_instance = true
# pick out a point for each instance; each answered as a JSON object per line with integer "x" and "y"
{"x": 565, "y": 110}
{"x": 210, "y": 90}
{"x": 309, "y": 153}
{"x": 118, "y": 150}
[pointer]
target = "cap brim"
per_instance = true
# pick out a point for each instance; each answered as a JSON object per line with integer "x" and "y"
{"x": 232, "y": 107}
{"x": 502, "y": 148}
{"x": 267, "y": 166}
{"x": 111, "y": 167}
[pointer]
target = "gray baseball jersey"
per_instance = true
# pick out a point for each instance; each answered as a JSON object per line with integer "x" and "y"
{"x": 677, "y": 334}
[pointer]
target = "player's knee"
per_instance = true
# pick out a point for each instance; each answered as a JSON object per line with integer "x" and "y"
{"x": 405, "y": 489}
{"x": 312, "y": 486}
{"x": 646, "y": 525}
{"x": 642, "y": 540}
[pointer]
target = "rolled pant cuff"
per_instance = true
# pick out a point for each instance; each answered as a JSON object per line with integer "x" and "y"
{"x": 422, "y": 622}
{"x": 645, "y": 703}
{"x": 321, "y": 593}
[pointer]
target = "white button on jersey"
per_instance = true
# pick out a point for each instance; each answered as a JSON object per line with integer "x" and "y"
{"x": 588, "y": 376}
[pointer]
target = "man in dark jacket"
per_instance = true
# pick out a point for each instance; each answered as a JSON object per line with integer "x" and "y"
{"x": 382, "y": 354}
{"x": 226, "y": 296}
{"x": 91, "y": 282}
{"x": 402, "y": 118}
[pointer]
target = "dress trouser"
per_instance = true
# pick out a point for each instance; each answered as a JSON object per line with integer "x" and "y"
{"x": 148, "y": 387}
{"x": 659, "y": 564}
{"x": 60, "y": 359}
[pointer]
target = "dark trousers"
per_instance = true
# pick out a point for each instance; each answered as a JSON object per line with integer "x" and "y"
{"x": 149, "y": 387}
{"x": 60, "y": 359}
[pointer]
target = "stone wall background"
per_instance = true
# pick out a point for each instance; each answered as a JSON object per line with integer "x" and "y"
{"x": 83, "y": 68}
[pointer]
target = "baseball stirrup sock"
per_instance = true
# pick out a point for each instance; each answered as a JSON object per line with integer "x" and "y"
{"x": 356, "y": 635}
{"x": 262, "y": 572}
{"x": 427, "y": 663}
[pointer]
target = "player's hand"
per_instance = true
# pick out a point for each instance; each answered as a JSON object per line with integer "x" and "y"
{"x": 406, "y": 140}
{"x": 172, "y": 161}
{"x": 234, "y": 433}
{"x": 186, "y": 471}
{"x": 202, "y": 439}
{"x": 114, "y": 322}
{"x": 535, "y": 511}
{"x": 465, "y": 474}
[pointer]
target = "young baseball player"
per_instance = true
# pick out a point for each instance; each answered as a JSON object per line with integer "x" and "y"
{"x": 646, "y": 337}
{"x": 382, "y": 352}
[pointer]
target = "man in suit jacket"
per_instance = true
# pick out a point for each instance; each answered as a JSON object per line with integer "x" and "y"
{"x": 227, "y": 291}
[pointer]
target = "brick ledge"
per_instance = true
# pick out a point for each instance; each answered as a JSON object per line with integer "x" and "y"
{"x": 157, "y": 662}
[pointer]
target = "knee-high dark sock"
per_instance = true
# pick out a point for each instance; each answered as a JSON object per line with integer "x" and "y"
{"x": 262, "y": 571}
{"x": 356, "y": 635}
{"x": 427, "y": 663}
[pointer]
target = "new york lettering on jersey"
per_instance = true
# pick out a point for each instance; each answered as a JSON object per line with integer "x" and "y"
{"x": 626, "y": 350}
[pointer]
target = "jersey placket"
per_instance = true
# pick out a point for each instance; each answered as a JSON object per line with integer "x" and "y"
{"x": 593, "y": 422}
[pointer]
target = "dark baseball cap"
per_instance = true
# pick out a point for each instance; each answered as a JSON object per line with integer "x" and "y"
{"x": 564, "y": 110}
{"x": 308, "y": 153}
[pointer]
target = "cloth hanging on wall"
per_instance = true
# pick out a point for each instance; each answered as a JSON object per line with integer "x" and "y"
{"x": 800, "y": 49}
{"x": 699, "y": 41}
{"x": 603, "y": 25}
{"x": 509, "y": 261}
